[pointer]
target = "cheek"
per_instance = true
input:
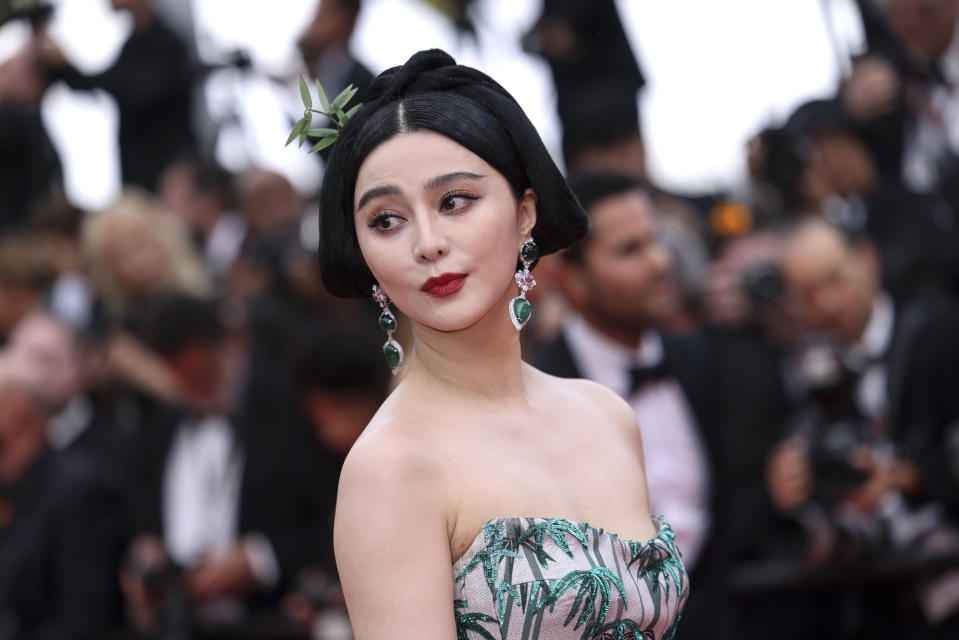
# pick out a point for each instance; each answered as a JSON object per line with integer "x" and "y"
{"x": 623, "y": 274}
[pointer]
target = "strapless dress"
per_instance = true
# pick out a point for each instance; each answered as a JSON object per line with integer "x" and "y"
{"x": 549, "y": 578}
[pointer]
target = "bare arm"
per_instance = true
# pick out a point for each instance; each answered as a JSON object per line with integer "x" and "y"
{"x": 392, "y": 543}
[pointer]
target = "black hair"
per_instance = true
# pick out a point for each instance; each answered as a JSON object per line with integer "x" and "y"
{"x": 175, "y": 320}
{"x": 341, "y": 359}
{"x": 209, "y": 177}
{"x": 431, "y": 92}
{"x": 591, "y": 187}
{"x": 822, "y": 117}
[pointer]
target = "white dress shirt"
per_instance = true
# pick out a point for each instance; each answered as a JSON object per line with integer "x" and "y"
{"x": 201, "y": 490}
{"x": 676, "y": 463}
{"x": 868, "y": 356}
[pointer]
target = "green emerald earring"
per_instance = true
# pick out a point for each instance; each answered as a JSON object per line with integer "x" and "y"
{"x": 392, "y": 350}
{"x": 520, "y": 309}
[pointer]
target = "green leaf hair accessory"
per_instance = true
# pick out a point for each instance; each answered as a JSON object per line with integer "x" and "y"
{"x": 334, "y": 110}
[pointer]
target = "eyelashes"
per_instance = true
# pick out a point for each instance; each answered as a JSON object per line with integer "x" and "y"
{"x": 385, "y": 221}
{"x": 451, "y": 202}
{"x": 453, "y": 195}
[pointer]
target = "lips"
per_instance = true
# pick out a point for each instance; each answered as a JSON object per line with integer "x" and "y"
{"x": 444, "y": 284}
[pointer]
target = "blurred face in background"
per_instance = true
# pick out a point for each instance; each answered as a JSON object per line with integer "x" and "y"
{"x": 209, "y": 374}
{"x": 269, "y": 202}
{"x": 624, "y": 283}
{"x": 924, "y": 27}
{"x": 835, "y": 282}
{"x": 23, "y": 417}
{"x": 45, "y": 344}
{"x": 136, "y": 258}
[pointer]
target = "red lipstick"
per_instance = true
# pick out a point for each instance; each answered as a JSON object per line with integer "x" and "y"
{"x": 444, "y": 284}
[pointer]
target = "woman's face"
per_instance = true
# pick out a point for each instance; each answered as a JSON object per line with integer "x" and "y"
{"x": 439, "y": 228}
{"x": 137, "y": 259}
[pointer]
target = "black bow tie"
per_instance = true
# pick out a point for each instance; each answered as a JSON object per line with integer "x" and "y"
{"x": 640, "y": 375}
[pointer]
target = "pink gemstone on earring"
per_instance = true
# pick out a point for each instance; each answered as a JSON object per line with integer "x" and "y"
{"x": 529, "y": 278}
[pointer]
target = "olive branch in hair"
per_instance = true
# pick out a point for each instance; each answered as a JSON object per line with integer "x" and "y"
{"x": 333, "y": 110}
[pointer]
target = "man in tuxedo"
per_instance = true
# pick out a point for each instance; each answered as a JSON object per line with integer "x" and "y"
{"x": 618, "y": 281}
{"x": 60, "y": 527}
{"x": 223, "y": 485}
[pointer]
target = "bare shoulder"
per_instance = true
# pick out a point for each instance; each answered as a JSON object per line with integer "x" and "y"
{"x": 389, "y": 454}
{"x": 594, "y": 403}
{"x": 591, "y": 397}
{"x": 390, "y": 497}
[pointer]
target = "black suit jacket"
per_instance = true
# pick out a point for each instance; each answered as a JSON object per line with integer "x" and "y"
{"x": 279, "y": 495}
{"x": 60, "y": 553}
{"x": 923, "y": 387}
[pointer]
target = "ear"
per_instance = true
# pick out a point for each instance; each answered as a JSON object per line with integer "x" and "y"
{"x": 527, "y": 213}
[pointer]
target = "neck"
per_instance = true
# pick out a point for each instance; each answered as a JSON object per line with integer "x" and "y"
{"x": 630, "y": 336}
{"x": 483, "y": 360}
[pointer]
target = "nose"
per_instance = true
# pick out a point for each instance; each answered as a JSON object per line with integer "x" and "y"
{"x": 431, "y": 242}
{"x": 825, "y": 305}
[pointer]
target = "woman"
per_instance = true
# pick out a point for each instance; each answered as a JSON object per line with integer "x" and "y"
{"x": 462, "y": 508}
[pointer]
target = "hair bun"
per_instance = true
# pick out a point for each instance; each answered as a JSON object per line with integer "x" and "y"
{"x": 430, "y": 70}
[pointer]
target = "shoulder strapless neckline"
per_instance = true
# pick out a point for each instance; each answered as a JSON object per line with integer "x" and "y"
{"x": 662, "y": 529}
{"x": 529, "y": 578}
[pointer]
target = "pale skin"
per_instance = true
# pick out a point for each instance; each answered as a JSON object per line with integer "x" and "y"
{"x": 471, "y": 433}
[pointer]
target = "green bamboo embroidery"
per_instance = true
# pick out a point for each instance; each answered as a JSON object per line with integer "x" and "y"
{"x": 496, "y": 549}
{"x": 592, "y": 583}
{"x": 655, "y": 561}
{"x": 502, "y": 590}
{"x": 467, "y": 623}
{"x": 618, "y": 630}
{"x": 555, "y": 528}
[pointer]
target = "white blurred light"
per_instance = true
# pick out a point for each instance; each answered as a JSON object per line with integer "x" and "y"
{"x": 724, "y": 71}
{"x": 267, "y": 31}
{"x": 90, "y": 33}
{"x": 83, "y": 129}
{"x": 13, "y": 36}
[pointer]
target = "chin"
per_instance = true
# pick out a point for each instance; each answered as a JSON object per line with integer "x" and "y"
{"x": 456, "y": 319}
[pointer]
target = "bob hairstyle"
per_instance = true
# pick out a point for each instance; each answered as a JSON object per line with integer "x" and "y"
{"x": 431, "y": 92}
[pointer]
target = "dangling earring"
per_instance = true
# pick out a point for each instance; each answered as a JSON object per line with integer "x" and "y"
{"x": 520, "y": 309}
{"x": 392, "y": 350}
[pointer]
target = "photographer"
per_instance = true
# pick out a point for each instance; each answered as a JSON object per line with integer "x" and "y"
{"x": 867, "y": 467}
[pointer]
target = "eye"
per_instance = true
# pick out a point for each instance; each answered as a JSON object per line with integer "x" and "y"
{"x": 455, "y": 200}
{"x": 385, "y": 222}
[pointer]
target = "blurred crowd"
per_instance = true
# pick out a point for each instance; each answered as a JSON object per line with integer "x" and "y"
{"x": 178, "y": 391}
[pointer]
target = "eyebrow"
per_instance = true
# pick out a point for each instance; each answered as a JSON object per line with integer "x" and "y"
{"x": 447, "y": 178}
{"x": 432, "y": 183}
{"x": 376, "y": 192}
